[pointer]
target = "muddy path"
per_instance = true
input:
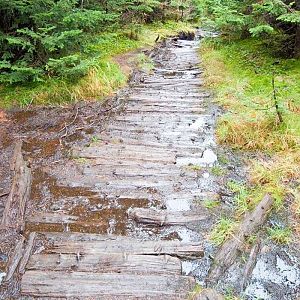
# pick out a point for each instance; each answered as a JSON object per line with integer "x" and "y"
{"x": 117, "y": 204}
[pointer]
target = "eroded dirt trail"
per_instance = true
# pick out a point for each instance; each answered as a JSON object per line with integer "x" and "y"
{"x": 118, "y": 219}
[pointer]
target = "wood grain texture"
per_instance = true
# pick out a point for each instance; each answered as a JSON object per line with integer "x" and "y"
{"x": 83, "y": 285}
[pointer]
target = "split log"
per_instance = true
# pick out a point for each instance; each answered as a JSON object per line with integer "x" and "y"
{"x": 227, "y": 254}
{"x": 15, "y": 259}
{"x": 27, "y": 252}
{"x": 249, "y": 267}
{"x": 13, "y": 215}
{"x": 164, "y": 217}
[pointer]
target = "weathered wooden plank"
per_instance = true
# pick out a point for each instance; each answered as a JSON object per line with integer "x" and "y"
{"x": 89, "y": 244}
{"x": 152, "y": 157}
{"x": 172, "y": 248}
{"x": 83, "y": 285}
{"x": 15, "y": 258}
{"x": 166, "y": 110}
{"x": 13, "y": 215}
{"x": 137, "y": 171}
{"x": 27, "y": 252}
{"x": 164, "y": 217}
{"x": 51, "y": 218}
{"x": 106, "y": 263}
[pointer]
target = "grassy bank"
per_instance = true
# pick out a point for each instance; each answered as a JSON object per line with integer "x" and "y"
{"x": 103, "y": 78}
{"x": 240, "y": 73}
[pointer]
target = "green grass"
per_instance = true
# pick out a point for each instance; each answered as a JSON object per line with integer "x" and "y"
{"x": 222, "y": 230}
{"x": 217, "y": 171}
{"x": 195, "y": 167}
{"x": 223, "y": 159}
{"x": 144, "y": 63}
{"x": 280, "y": 235}
{"x": 240, "y": 73}
{"x": 210, "y": 204}
{"x": 103, "y": 79}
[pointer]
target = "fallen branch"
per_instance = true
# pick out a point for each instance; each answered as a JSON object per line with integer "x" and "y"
{"x": 227, "y": 254}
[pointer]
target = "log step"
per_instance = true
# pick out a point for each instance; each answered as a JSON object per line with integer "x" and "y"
{"x": 106, "y": 263}
{"x": 83, "y": 285}
{"x": 164, "y": 217}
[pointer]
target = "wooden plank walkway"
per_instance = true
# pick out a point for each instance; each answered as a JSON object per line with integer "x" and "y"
{"x": 143, "y": 156}
{"x": 90, "y": 266}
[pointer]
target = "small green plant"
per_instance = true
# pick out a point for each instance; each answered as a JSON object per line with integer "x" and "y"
{"x": 195, "y": 167}
{"x": 217, "y": 171}
{"x": 223, "y": 159}
{"x": 235, "y": 186}
{"x": 95, "y": 139}
{"x": 241, "y": 199}
{"x": 210, "y": 204}
{"x": 145, "y": 63}
{"x": 280, "y": 235}
{"x": 251, "y": 239}
{"x": 222, "y": 230}
{"x": 81, "y": 160}
{"x": 196, "y": 291}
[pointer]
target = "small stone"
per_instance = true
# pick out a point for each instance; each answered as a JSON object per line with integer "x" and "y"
{"x": 205, "y": 175}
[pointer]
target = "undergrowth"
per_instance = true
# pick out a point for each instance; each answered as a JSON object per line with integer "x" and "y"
{"x": 104, "y": 75}
{"x": 240, "y": 73}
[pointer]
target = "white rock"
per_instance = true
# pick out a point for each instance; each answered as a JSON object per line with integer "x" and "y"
{"x": 206, "y": 175}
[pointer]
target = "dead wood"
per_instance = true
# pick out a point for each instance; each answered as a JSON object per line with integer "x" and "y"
{"x": 250, "y": 265}
{"x": 15, "y": 259}
{"x": 86, "y": 244}
{"x": 13, "y": 215}
{"x": 106, "y": 263}
{"x": 89, "y": 285}
{"x": 164, "y": 218}
{"x": 27, "y": 252}
{"x": 227, "y": 254}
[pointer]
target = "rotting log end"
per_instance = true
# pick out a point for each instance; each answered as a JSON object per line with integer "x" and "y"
{"x": 228, "y": 253}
